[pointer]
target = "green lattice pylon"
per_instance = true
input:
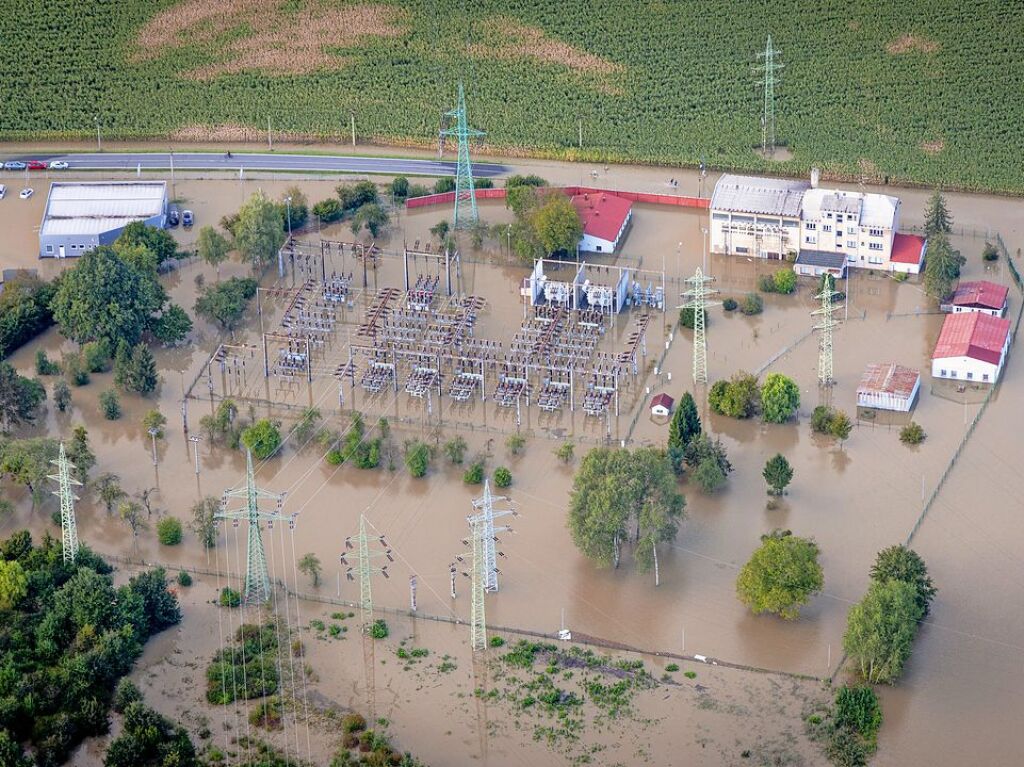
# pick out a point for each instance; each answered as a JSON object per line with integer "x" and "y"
{"x": 257, "y": 581}
{"x": 465, "y": 191}
{"x": 483, "y": 523}
{"x": 478, "y": 581}
{"x": 68, "y": 524}
{"x": 698, "y": 301}
{"x": 364, "y": 569}
{"x": 768, "y": 68}
{"x": 827, "y": 325}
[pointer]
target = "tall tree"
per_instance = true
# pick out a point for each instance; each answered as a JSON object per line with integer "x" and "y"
{"x": 213, "y": 247}
{"x": 20, "y": 397}
{"x": 259, "y": 232}
{"x": 880, "y": 630}
{"x": 102, "y": 297}
{"x": 658, "y": 505}
{"x": 225, "y": 302}
{"x": 310, "y": 565}
{"x": 777, "y": 473}
{"x": 298, "y": 207}
{"x": 80, "y": 454}
{"x": 898, "y": 563}
{"x": 781, "y": 576}
{"x": 204, "y": 524}
{"x": 780, "y": 397}
{"x": 107, "y": 488}
{"x": 154, "y": 239}
{"x": 13, "y": 584}
{"x": 28, "y": 462}
{"x": 937, "y": 219}
{"x": 556, "y": 224}
{"x": 942, "y": 266}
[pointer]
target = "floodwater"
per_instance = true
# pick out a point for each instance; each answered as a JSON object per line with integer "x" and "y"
{"x": 962, "y": 691}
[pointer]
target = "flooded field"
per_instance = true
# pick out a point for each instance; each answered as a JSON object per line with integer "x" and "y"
{"x": 962, "y": 691}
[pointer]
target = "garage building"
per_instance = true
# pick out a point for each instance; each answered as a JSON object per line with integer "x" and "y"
{"x": 888, "y": 386}
{"x": 605, "y": 218}
{"x": 82, "y": 215}
{"x": 971, "y": 347}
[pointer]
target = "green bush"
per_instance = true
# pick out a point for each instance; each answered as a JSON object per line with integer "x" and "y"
{"x": 110, "y": 405}
{"x": 184, "y": 579}
{"x": 168, "y": 531}
{"x": 785, "y": 281}
{"x": 690, "y": 674}
{"x": 379, "y": 630}
{"x": 730, "y": 304}
{"x": 686, "y": 317}
{"x": 502, "y": 477}
{"x": 353, "y": 723}
{"x": 912, "y": 434}
{"x": 229, "y": 597}
{"x": 739, "y": 397}
{"x": 766, "y": 283}
{"x": 752, "y": 304}
{"x": 672, "y": 667}
{"x": 125, "y": 694}
{"x": 417, "y": 457}
{"x": 44, "y": 365}
{"x": 474, "y": 475}
{"x": 780, "y": 397}
{"x": 990, "y": 253}
{"x": 497, "y": 642}
{"x": 262, "y": 438}
{"x": 858, "y": 709}
{"x": 900, "y": 276}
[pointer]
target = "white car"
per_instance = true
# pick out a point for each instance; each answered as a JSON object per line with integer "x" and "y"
{"x": 58, "y": 165}
{"x": 26, "y": 193}
{"x": 3, "y": 191}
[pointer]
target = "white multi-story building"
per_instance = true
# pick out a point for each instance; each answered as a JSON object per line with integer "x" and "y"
{"x": 756, "y": 217}
{"x": 858, "y": 225}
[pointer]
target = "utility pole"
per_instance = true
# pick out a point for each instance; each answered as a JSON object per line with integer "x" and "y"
{"x": 68, "y": 525}
{"x": 465, "y": 190}
{"x": 270, "y": 140}
{"x": 485, "y": 516}
{"x": 767, "y": 81}
{"x": 99, "y": 140}
{"x": 697, "y": 300}
{"x": 581, "y": 134}
{"x": 152, "y": 433}
{"x": 257, "y": 581}
{"x": 194, "y": 439}
{"x": 826, "y": 326}
{"x": 359, "y": 549}
{"x": 353, "y": 115}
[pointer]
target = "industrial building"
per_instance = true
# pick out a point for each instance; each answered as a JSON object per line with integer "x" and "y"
{"x": 971, "y": 347}
{"x": 856, "y": 225}
{"x": 757, "y": 217}
{"x": 981, "y": 296}
{"x": 605, "y": 218}
{"x": 82, "y": 215}
{"x": 888, "y": 386}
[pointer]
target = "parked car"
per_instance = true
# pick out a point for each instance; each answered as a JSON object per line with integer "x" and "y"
{"x": 26, "y": 193}
{"x": 36, "y": 165}
{"x": 186, "y": 219}
{"x": 173, "y": 217}
{"x": 58, "y": 165}
{"x": 3, "y": 191}
{"x": 14, "y": 165}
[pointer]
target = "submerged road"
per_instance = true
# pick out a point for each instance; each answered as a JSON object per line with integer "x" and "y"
{"x": 388, "y": 166}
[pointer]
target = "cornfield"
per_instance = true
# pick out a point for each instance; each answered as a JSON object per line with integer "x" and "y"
{"x": 914, "y": 91}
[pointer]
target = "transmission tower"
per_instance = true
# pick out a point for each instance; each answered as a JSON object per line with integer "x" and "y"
{"x": 698, "y": 301}
{"x": 768, "y": 68}
{"x": 68, "y": 525}
{"x": 359, "y": 549}
{"x": 257, "y": 581}
{"x": 826, "y": 326}
{"x": 465, "y": 191}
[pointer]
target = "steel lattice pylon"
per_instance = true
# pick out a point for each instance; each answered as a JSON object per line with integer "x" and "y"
{"x": 698, "y": 301}
{"x": 827, "y": 325}
{"x": 465, "y": 191}
{"x": 768, "y": 68}
{"x": 485, "y": 516}
{"x": 257, "y": 581}
{"x": 478, "y": 621}
{"x": 68, "y": 524}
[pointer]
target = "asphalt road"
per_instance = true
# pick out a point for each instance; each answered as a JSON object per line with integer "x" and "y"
{"x": 277, "y": 162}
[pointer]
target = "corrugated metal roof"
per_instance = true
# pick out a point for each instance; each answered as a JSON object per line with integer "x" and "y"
{"x": 972, "y": 334}
{"x": 89, "y": 208}
{"x": 888, "y": 378}
{"x": 981, "y": 293}
{"x": 753, "y": 194}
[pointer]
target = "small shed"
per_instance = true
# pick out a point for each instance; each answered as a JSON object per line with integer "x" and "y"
{"x": 662, "y": 404}
{"x": 980, "y": 296}
{"x": 888, "y": 386}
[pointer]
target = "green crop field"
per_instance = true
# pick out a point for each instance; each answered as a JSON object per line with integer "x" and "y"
{"x": 928, "y": 91}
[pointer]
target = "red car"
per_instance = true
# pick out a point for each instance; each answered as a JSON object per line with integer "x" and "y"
{"x": 36, "y": 165}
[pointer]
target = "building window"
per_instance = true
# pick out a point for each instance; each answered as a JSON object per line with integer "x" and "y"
{"x": 875, "y": 232}
{"x": 970, "y": 375}
{"x": 851, "y": 243}
{"x": 874, "y": 246}
{"x": 953, "y": 374}
{"x": 827, "y": 228}
{"x": 810, "y": 240}
{"x": 839, "y": 218}
{"x": 839, "y": 243}
{"x": 598, "y": 248}
{"x": 984, "y": 376}
{"x": 742, "y": 249}
{"x": 852, "y": 232}
{"x": 942, "y": 373}
{"x": 874, "y": 260}
{"x": 811, "y": 227}
{"x": 828, "y": 215}
{"x": 720, "y": 216}
{"x": 49, "y": 248}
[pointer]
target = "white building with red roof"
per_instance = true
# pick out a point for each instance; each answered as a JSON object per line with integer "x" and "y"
{"x": 981, "y": 296}
{"x": 971, "y": 347}
{"x": 605, "y": 217}
{"x": 888, "y": 386}
{"x": 662, "y": 404}
{"x": 908, "y": 253}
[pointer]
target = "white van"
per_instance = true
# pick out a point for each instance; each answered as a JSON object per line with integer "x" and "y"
{"x": 3, "y": 191}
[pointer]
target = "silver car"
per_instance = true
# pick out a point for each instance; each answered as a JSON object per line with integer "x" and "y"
{"x": 14, "y": 165}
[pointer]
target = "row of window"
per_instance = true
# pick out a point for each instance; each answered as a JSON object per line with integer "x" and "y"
{"x": 72, "y": 246}
{"x": 811, "y": 226}
{"x": 970, "y": 375}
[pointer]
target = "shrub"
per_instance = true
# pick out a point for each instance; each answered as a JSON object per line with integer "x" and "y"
{"x": 729, "y": 304}
{"x": 784, "y": 281}
{"x": 766, "y": 283}
{"x": 262, "y": 438}
{"x": 752, "y": 304}
{"x": 168, "y": 531}
{"x": 515, "y": 443}
{"x": 455, "y": 449}
{"x": 858, "y": 709}
{"x": 780, "y": 397}
{"x": 267, "y": 714}
{"x": 821, "y": 419}
{"x": 229, "y": 597}
{"x": 110, "y": 405}
{"x": 497, "y": 642}
{"x": 912, "y": 434}
{"x": 990, "y": 253}
{"x": 96, "y": 356}
{"x": 686, "y": 317}
{"x": 502, "y": 477}
{"x": 44, "y": 365}
{"x": 709, "y": 476}
{"x": 379, "y": 630}
{"x": 739, "y": 397}
{"x": 672, "y": 667}
{"x": 353, "y": 723}
{"x": 417, "y": 457}
{"x": 690, "y": 674}
{"x": 125, "y": 694}
{"x": 184, "y": 579}
{"x": 474, "y": 475}
{"x": 900, "y": 276}
{"x": 61, "y": 395}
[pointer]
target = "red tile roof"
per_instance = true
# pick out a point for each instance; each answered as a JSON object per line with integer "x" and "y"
{"x": 907, "y": 248}
{"x": 983, "y": 293}
{"x": 888, "y": 378}
{"x": 972, "y": 334}
{"x": 602, "y": 214}
{"x": 662, "y": 399}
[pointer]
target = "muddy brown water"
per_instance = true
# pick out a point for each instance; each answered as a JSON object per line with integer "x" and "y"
{"x": 962, "y": 691}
